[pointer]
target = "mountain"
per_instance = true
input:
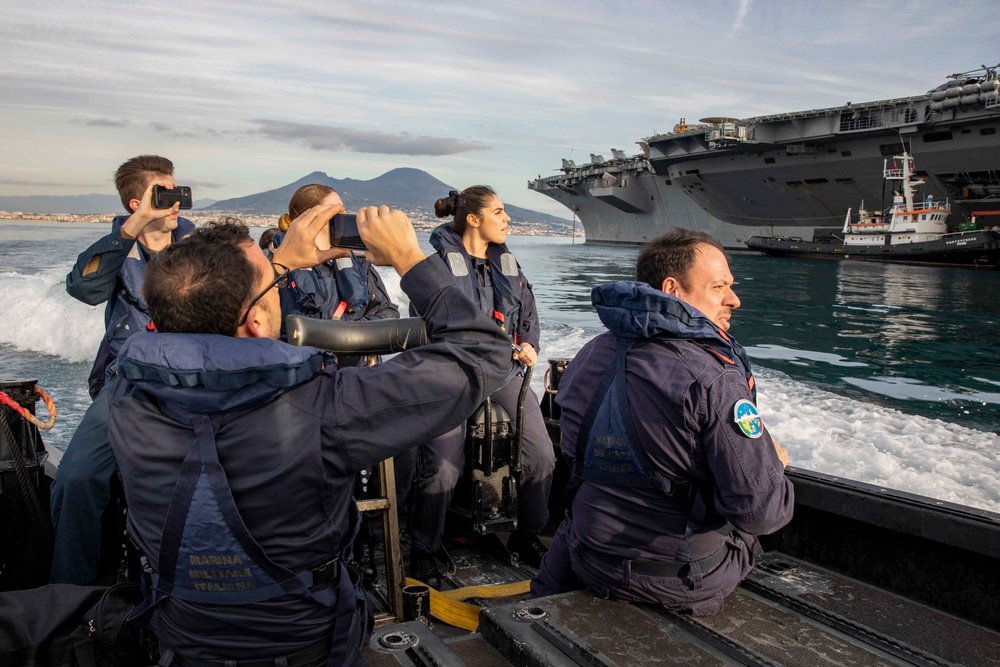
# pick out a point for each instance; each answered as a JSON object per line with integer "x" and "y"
{"x": 411, "y": 190}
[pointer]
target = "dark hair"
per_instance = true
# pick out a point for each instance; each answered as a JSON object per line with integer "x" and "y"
{"x": 201, "y": 283}
{"x": 131, "y": 177}
{"x": 302, "y": 200}
{"x": 460, "y": 204}
{"x": 266, "y": 237}
{"x": 671, "y": 255}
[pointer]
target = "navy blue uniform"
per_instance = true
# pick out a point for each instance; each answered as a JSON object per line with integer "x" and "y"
{"x": 682, "y": 533}
{"x": 81, "y": 488}
{"x": 499, "y": 288}
{"x": 290, "y": 430}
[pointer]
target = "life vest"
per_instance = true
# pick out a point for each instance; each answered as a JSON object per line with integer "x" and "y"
{"x": 334, "y": 290}
{"x": 608, "y": 454}
{"x": 506, "y": 279}
{"x": 208, "y": 556}
{"x": 608, "y": 439}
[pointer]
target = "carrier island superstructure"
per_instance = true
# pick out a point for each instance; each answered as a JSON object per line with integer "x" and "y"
{"x": 791, "y": 174}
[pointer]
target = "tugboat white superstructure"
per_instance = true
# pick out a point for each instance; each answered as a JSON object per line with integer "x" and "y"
{"x": 907, "y": 224}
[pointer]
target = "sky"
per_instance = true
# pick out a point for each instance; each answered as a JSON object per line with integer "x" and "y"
{"x": 246, "y": 97}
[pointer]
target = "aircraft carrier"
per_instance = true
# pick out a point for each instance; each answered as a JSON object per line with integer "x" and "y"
{"x": 791, "y": 174}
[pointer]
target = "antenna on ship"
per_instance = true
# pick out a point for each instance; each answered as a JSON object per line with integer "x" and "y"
{"x": 574, "y": 226}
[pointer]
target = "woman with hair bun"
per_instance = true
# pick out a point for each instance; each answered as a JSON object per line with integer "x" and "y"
{"x": 347, "y": 288}
{"x": 474, "y": 249}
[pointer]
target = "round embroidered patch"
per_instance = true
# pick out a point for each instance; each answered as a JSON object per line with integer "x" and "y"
{"x": 746, "y": 417}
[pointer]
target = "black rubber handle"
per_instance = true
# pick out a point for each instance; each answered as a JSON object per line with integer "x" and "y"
{"x": 357, "y": 338}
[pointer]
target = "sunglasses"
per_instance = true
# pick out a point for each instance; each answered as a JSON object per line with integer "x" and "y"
{"x": 280, "y": 280}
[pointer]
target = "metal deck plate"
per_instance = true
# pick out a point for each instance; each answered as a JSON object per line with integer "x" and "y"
{"x": 581, "y": 629}
{"x": 858, "y": 608}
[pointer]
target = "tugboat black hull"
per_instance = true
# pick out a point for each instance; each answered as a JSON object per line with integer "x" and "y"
{"x": 972, "y": 249}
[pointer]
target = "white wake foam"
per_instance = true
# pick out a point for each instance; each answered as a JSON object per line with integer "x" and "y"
{"x": 878, "y": 445}
{"x": 38, "y": 315}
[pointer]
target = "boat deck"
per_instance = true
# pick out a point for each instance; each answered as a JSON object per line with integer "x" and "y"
{"x": 787, "y": 612}
{"x": 863, "y": 575}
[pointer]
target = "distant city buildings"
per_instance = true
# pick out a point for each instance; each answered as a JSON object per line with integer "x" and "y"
{"x": 422, "y": 222}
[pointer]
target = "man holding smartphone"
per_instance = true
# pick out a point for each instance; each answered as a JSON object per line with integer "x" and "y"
{"x": 213, "y": 417}
{"x": 110, "y": 271}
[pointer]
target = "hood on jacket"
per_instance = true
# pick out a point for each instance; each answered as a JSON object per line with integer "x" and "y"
{"x": 635, "y": 310}
{"x": 443, "y": 237}
{"x": 208, "y": 373}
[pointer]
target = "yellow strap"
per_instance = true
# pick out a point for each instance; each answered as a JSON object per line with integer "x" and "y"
{"x": 448, "y": 607}
{"x": 492, "y": 591}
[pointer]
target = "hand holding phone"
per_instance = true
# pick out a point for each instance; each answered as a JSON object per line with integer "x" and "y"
{"x": 344, "y": 232}
{"x": 167, "y": 197}
{"x": 300, "y": 249}
{"x": 390, "y": 237}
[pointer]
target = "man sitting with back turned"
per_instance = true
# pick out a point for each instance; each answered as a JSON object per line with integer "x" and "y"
{"x": 674, "y": 473}
{"x": 111, "y": 270}
{"x": 238, "y": 452}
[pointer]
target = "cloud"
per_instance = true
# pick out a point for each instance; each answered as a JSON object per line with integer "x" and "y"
{"x": 47, "y": 184}
{"x": 326, "y": 138}
{"x": 100, "y": 122}
{"x": 163, "y": 128}
{"x": 741, "y": 15}
{"x": 494, "y": 92}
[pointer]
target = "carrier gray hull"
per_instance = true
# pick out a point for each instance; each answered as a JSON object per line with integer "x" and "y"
{"x": 645, "y": 209}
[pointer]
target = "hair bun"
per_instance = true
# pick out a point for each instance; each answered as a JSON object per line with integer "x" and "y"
{"x": 284, "y": 222}
{"x": 447, "y": 205}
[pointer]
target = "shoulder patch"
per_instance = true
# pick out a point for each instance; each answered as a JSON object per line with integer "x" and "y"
{"x": 748, "y": 419}
{"x": 457, "y": 264}
{"x": 508, "y": 265}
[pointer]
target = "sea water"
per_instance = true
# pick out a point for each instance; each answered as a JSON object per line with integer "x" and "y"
{"x": 882, "y": 373}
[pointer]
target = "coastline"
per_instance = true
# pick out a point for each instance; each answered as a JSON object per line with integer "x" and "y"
{"x": 421, "y": 222}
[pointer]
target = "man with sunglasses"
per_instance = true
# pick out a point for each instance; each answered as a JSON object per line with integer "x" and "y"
{"x": 238, "y": 452}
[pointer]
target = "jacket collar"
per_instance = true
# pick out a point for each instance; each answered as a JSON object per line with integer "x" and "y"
{"x": 207, "y": 373}
{"x": 635, "y": 310}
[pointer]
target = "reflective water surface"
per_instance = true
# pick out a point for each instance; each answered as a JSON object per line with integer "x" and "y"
{"x": 918, "y": 339}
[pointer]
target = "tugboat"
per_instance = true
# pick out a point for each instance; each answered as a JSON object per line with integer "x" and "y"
{"x": 913, "y": 233}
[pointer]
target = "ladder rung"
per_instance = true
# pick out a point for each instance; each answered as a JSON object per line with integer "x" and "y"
{"x": 373, "y": 505}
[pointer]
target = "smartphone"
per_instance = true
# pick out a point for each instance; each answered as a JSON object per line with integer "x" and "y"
{"x": 344, "y": 232}
{"x": 166, "y": 198}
